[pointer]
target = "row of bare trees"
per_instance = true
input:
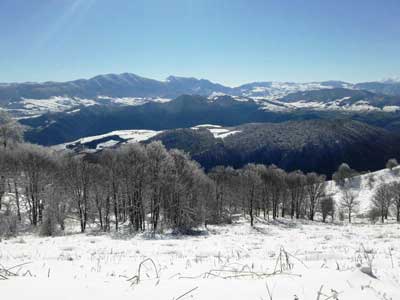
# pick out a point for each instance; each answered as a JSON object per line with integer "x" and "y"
{"x": 143, "y": 185}
{"x": 265, "y": 191}
{"x": 147, "y": 187}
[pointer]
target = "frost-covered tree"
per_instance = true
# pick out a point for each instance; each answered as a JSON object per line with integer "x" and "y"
{"x": 10, "y": 130}
{"x": 37, "y": 165}
{"x": 392, "y": 163}
{"x": 395, "y": 188}
{"x": 349, "y": 203}
{"x": 343, "y": 173}
{"x": 251, "y": 182}
{"x": 159, "y": 165}
{"x": 220, "y": 209}
{"x": 327, "y": 207}
{"x": 315, "y": 189}
{"x": 77, "y": 180}
{"x": 295, "y": 182}
{"x": 381, "y": 200}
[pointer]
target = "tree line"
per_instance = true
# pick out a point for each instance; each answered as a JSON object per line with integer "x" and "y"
{"x": 147, "y": 187}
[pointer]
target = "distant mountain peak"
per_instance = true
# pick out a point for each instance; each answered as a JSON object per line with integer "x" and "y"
{"x": 173, "y": 78}
{"x": 391, "y": 80}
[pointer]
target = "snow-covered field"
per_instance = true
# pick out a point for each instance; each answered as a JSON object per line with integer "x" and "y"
{"x": 279, "y": 260}
{"x": 287, "y": 258}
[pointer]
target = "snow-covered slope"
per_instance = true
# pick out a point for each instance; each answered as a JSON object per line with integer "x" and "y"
{"x": 217, "y": 131}
{"x": 34, "y": 107}
{"x": 364, "y": 187}
{"x": 113, "y": 138}
{"x": 107, "y": 140}
{"x": 275, "y": 90}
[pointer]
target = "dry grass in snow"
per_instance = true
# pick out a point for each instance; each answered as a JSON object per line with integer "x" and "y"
{"x": 283, "y": 260}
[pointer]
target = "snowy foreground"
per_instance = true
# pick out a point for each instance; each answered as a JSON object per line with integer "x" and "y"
{"x": 281, "y": 260}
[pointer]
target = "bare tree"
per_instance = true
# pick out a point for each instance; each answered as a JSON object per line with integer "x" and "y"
{"x": 349, "y": 202}
{"x": 395, "y": 191}
{"x": 10, "y": 130}
{"x": 182, "y": 209}
{"x": 77, "y": 180}
{"x": 382, "y": 200}
{"x": 251, "y": 182}
{"x": 113, "y": 166}
{"x": 159, "y": 163}
{"x": 132, "y": 167}
{"x": 222, "y": 206}
{"x": 315, "y": 188}
{"x": 295, "y": 182}
{"x": 327, "y": 207}
{"x": 36, "y": 163}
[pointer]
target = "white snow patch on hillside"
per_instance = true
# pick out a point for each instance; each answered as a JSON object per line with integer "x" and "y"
{"x": 223, "y": 133}
{"x": 107, "y": 144}
{"x": 337, "y": 105}
{"x": 53, "y": 104}
{"x": 278, "y": 90}
{"x": 217, "y": 130}
{"x": 215, "y": 95}
{"x": 132, "y": 136}
{"x": 128, "y": 101}
{"x": 391, "y": 108}
{"x": 364, "y": 187}
{"x": 206, "y": 126}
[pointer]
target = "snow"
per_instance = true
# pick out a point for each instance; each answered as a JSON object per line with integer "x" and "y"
{"x": 27, "y": 108}
{"x": 334, "y": 105}
{"x": 276, "y": 90}
{"x": 284, "y": 258}
{"x": 206, "y": 126}
{"x": 217, "y": 130}
{"x": 161, "y": 100}
{"x": 53, "y": 104}
{"x": 215, "y": 95}
{"x": 129, "y": 101}
{"x": 228, "y": 133}
{"x": 131, "y": 136}
{"x": 391, "y": 108}
{"x": 232, "y": 261}
{"x": 140, "y": 135}
{"x": 364, "y": 186}
{"x": 107, "y": 144}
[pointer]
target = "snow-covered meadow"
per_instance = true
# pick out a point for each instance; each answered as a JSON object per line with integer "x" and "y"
{"x": 280, "y": 260}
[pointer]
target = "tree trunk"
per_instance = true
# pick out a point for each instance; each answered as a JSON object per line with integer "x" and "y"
{"x": 17, "y": 200}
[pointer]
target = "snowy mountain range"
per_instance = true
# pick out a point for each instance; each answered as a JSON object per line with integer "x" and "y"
{"x": 32, "y": 99}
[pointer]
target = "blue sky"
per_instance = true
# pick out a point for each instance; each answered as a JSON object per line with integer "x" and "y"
{"x": 227, "y": 41}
